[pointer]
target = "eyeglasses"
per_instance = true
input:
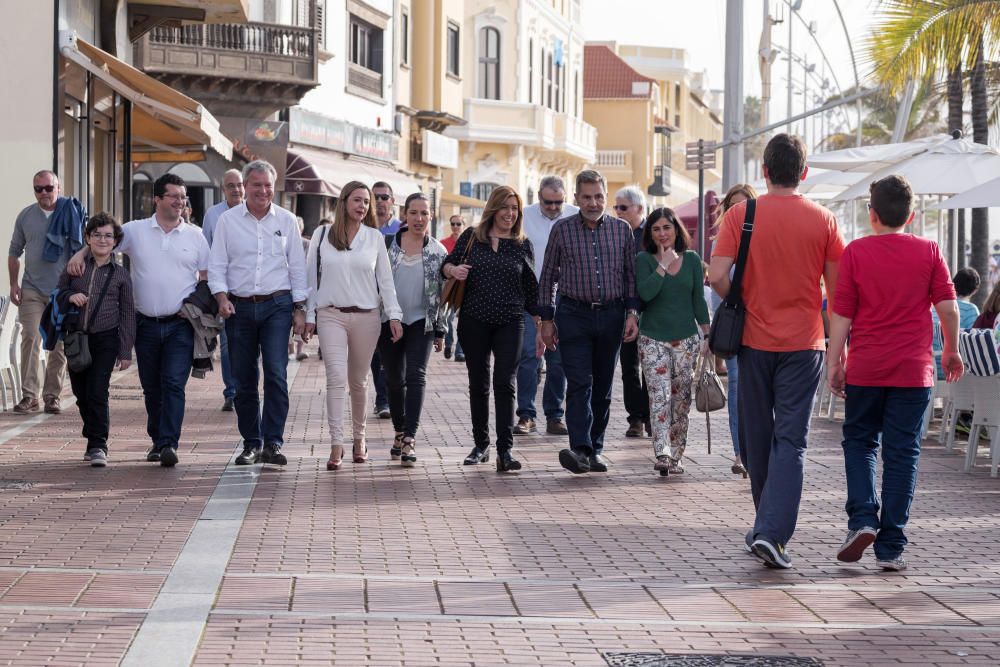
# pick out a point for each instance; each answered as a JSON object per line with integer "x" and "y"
{"x": 456, "y": 224}
{"x": 101, "y": 237}
{"x": 175, "y": 197}
{"x": 623, "y": 207}
{"x": 383, "y": 197}
{"x": 44, "y": 188}
{"x": 553, "y": 202}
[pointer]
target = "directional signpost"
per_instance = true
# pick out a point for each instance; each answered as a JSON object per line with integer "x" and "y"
{"x": 700, "y": 155}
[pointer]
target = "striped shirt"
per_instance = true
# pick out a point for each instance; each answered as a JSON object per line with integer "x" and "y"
{"x": 588, "y": 265}
{"x": 117, "y": 308}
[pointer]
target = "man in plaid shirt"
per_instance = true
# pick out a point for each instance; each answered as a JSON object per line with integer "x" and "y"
{"x": 590, "y": 264}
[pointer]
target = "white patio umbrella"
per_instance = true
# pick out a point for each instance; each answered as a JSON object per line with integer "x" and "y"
{"x": 944, "y": 169}
{"x": 873, "y": 158}
{"x": 981, "y": 196}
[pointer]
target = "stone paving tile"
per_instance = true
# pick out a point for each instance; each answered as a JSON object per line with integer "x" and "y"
{"x": 128, "y": 591}
{"x": 841, "y": 606}
{"x": 915, "y": 608}
{"x": 327, "y": 595}
{"x": 264, "y": 593}
{"x": 47, "y": 588}
{"x": 70, "y": 638}
{"x": 695, "y": 604}
{"x": 236, "y": 640}
{"x": 476, "y": 599}
{"x": 977, "y": 606}
{"x": 768, "y": 605}
{"x": 549, "y": 600}
{"x": 414, "y": 597}
{"x": 622, "y": 601}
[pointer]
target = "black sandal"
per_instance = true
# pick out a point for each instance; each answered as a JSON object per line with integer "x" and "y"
{"x": 407, "y": 455}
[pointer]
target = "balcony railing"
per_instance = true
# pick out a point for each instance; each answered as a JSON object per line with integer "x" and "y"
{"x": 262, "y": 38}
{"x": 613, "y": 160}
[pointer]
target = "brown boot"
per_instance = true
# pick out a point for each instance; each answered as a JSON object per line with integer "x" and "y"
{"x": 52, "y": 406}
{"x": 635, "y": 427}
{"x": 26, "y": 406}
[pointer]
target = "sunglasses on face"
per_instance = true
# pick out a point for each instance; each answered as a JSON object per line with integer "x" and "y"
{"x": 44, "y": 188}
{"x": 456, "y": 224}
{"x": 553, "y": 202}
{"x": 622, "y": 207}
{"x": 383, "y": 197}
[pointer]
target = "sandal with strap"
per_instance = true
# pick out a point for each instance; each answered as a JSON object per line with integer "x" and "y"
{"x": 662, "y": 465}
{"x": 397, "y": 447}
{"x": 407, "y": 455}
{"x": 335, "y": 463}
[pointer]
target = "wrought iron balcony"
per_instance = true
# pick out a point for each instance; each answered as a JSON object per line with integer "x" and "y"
{"x": 243, "y": 69}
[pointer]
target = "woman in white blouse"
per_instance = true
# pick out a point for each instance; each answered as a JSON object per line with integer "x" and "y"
{"x": 350, "y": 281}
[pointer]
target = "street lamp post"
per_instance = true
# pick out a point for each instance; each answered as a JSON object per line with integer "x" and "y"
{"x": 732, "y": 125}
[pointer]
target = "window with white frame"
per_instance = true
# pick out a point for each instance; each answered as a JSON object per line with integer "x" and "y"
{"x": 454, "y": 48}
{"x": 489, "y": 64}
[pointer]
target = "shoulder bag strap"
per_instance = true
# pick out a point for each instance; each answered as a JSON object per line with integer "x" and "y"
{"x": 100, "y": 299}
{"x": 319, "y": 256}
{"x": 741, "y": 257}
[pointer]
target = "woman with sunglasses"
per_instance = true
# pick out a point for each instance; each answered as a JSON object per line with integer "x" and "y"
{"x": 670, "y": 281}
{"x": 416, "y": 260}
{"x": 496, "y": 261}
{"x": 350, "y": 283}
{"x": 103, "y": 296}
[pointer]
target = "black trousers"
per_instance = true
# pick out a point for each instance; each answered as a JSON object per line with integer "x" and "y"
{"x": 479, "y": 340}
{"x": 405, "y": 364}
{"x": 633, "y": 383}
{"x": 91, "y": 388}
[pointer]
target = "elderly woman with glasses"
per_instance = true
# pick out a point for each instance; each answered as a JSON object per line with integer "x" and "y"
{"x": 103, "y": 297}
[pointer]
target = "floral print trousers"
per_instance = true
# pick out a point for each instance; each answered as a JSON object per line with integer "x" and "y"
{"x": 669, "y": 375}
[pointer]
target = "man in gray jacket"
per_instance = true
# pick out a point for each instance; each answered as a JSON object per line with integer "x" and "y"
{"x": 30, "y": 294}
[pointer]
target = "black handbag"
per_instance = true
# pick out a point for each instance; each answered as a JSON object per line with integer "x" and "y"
{"x": 726, "y": 335}
{"x": 76, "y": 345}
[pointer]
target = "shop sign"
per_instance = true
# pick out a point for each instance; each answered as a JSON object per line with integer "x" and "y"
{"x": 465, "y": 188}
{"x": 313, "y": 129}
{"x": 439, "y": 150}
{"x": 255, "y": 139}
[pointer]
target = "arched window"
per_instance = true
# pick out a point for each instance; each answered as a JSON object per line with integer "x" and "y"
{"x": 489, "y": 64}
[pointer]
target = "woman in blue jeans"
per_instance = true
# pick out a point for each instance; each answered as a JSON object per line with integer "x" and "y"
{"x": 416, "y": 260}
{"x": 738, "y": 193}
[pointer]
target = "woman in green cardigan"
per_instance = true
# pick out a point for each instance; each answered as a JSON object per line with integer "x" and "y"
{"x": 671, "y": 282}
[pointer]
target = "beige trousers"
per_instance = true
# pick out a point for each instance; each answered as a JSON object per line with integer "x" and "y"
{"x": 30, "y": 315}
{"x": 348, "y": 343}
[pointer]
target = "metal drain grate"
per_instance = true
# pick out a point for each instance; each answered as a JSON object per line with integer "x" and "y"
{"x": 15, "y": 484}
{"x": 705, "y": 660}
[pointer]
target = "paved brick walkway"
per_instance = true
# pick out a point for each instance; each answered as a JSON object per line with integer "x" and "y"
{"x": 445, "y": 564}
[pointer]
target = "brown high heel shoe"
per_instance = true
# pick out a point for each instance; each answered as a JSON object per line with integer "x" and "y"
{"x": 360, "y": 451}
{"x": 335, "y": 463}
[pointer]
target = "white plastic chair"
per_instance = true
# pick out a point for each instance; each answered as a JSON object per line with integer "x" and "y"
{"x": 986, "y": 416}
{"x": 961, "y": 399}
{"x": 15, "y": 360}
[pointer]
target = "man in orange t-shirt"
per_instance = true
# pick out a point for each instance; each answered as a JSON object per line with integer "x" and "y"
{"x": 795, "y": 243}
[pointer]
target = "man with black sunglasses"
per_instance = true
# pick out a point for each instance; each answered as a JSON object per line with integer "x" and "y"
{"x": 388, "y": 224}
{"x": 31, "y": 294}
{"x": 630, "y": 206}
{"x": 539, "y": 219}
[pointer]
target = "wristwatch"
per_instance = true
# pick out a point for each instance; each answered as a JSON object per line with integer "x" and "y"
{"x": 301, "y": 307}
{"x": 633, "y": 312}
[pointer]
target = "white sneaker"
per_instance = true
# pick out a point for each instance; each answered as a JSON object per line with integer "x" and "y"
{"x": 897, "y": 564}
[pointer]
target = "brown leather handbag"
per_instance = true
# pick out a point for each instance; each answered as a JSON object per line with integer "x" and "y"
{"x": 453, "y": 290}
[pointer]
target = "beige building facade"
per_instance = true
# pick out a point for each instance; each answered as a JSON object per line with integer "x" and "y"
{"x": 522, "y": 81}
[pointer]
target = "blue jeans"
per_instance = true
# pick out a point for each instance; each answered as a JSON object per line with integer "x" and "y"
{"x": 260, "y": 330}
{"x": 378, "y": 379}
{"x": 732, "y": 402}
{"x": 589, "y": 341}
{"x": 889, "y": 417}
{"x": 227, "y": 369}
{"x": 451, "y": 336}
{"x": 554, "y": 391}
{"x": 776, "y": 393}
{"x": 163, "y": 352}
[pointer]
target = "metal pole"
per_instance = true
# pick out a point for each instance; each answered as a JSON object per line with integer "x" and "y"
{"x": 791, "y": 10}
{"x": 126, "y": 139}
{"x": 732, "y": 154}
{"x": 701, "y": 209}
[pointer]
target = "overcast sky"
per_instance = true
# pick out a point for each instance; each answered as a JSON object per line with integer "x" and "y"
{"x": 699, "y": 26}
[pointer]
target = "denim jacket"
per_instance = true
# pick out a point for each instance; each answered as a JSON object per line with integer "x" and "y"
{"x": 433, "y": 257}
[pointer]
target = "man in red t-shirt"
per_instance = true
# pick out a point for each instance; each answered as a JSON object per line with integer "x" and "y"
{"x": 795, "y": 243}
{"x": 890, "y": 368}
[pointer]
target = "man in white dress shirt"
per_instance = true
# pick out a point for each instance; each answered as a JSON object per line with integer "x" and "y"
{"x": 167, "y": 258}
{"x": 257, "y": 273}
{"x": 538, "y": 222}
{"x": 232, "y": 188}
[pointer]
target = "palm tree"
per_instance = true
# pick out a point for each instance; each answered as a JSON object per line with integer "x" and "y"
{"x": 917, "y": 39}
{"x": 880, "y": 119}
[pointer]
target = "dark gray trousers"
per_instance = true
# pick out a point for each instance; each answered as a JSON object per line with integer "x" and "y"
{"x": 775, "y": 399}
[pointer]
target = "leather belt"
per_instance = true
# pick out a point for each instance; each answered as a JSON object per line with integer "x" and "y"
{"x": 593, "y": 305}
{"x": 165, "y": 318}
{"x": 259, "y": 298}
{"x": 352, "y": 309}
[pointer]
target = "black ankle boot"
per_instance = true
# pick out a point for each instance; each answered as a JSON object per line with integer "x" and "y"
{"x": 506, "y": 462}
{"x": 478, "y": 456}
